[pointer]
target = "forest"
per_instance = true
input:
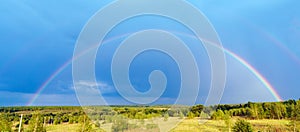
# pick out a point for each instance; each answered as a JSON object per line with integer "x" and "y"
{"x": 236, "y": 117}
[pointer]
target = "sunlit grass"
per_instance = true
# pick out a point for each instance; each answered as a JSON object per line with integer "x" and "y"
{"x": 194, "y": 125}
{"x": 188, "y": 125}
{"x": 67, "y": 128}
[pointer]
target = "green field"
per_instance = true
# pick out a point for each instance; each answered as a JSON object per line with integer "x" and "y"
{"x": 194, "y": 125}
{"x": 266, "y": 117}
{"x": 220, "y": 126}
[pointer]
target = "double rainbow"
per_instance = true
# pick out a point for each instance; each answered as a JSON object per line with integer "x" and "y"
{"x": 254, "y": 71}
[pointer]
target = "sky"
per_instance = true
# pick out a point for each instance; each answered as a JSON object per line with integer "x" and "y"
{"x": 37, "y": 41}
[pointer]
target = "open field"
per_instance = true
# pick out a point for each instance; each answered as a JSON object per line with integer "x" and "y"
{"x": 193, "y": 125}
{"x": 189, "y": 125}
{"x": 266, "y": 117}
{"x": 68, "y": 128}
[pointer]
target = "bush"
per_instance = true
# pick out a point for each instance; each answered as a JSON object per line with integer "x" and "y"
{"x": 166, "y": 117}
{"x": 36, "y": 123}
{"x": 181, "y": 116}
{"x": 120, "y": 124}
{"x": 97, "y": 124}
{"x": 219, "y": 115}
{"x": 190, "y": 115}
{"x": 5, "y": 123}
{"x": 85, "y": 124}
{"x": 242, "y": 126}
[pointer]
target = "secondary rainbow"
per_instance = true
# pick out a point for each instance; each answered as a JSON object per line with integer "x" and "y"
{"x": 254, "y": 71}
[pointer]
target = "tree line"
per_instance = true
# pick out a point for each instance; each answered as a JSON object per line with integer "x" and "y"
{"x": 289, "y": 109}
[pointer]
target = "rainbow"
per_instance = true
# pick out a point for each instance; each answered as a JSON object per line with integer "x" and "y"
{"x": 256, "y": 73}
{"x": 46, "y": 83}
{"x": 270, "y": 37}
{"x": 280, "y": 45}
{"x": 63, "y": 67}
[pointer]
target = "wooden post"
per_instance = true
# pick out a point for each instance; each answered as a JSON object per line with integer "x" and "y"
{"x": 20, "y": 126}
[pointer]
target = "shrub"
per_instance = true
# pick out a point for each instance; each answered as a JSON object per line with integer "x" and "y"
{"x": 242, "y": 126}
{"x": 5, "y": 124}
{"x": 190, "y": 115}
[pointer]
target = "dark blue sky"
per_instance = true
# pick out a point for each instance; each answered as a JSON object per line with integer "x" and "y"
{"x": 38, "y": 37}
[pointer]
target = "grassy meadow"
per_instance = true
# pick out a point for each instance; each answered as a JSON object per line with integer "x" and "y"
{"x": 194, "y": 125}
{"x": 259, "y": 117}
{"x": 266, "y": 125}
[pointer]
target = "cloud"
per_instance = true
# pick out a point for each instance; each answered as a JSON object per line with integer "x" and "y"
{"x": 91, "y": 93}
{"x": 59, "y": 86}
{"x": 94, "y": 87}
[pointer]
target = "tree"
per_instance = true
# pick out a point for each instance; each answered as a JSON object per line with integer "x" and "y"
{"x": 20, "y": 125}
{"x": 250, "y": 113}
{"x": 290, "y": 109}
{"x": 296, "y": 112}
{"x": 282, "y": 109}
{"x": 17, "y": 127}
{"x": 267, "y": 110}
{"x": 120, "y": 124}
{"x": 295, "y": 116}
{"x": 261, "y": 112}
{"x": 197, "y": 109}
{"x": 254, "y": 110}
{"x": 218, "y": 115}
{"x": 85, "y": 124}
{"x": 228, "y": 121}
{"x": 181, "y": 116}
{"x": 57, "y": 120}
{"x": 36, "y": 123}
{"x": 190, "y": 115}
{"x": 278, "y": 110}
{"x": 71, "y": 120}
{"x": 242, "y": 126}
{"x": 65, "y": 118}
{"x": 5, "y": 124}
{"x": 166, "y": 116}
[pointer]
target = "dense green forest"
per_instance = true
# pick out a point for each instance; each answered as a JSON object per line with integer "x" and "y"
{"x": 35, "y": 118}
{"x": 277, "y": 110}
